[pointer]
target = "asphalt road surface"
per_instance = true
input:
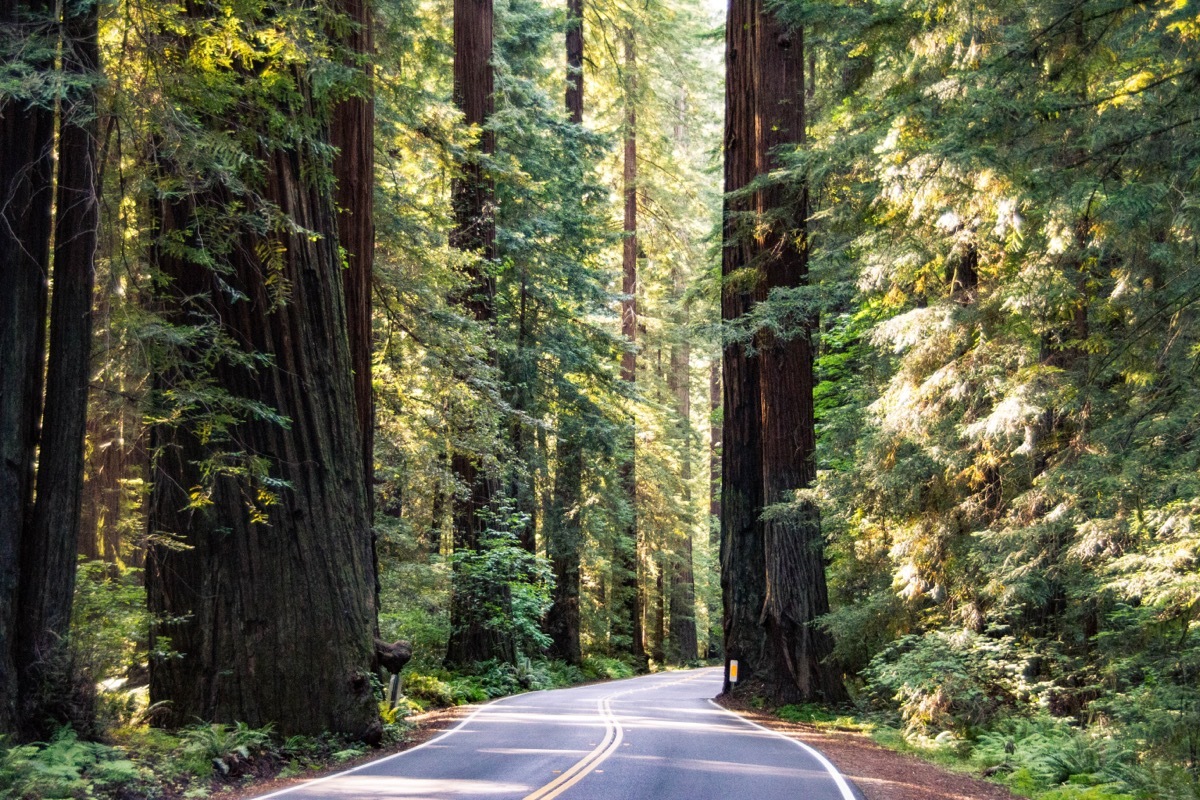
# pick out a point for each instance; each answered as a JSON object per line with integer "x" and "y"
{"x": 655, "y": 737}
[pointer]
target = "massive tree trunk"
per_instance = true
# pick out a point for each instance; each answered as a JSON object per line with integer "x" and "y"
{"x": 474, "y": 232}
{"x": 629, "y": 555}
{"x": 794, "y": 557}
{"x": 48, "y": 552}
{"x": 742, "y": 565}
{"x": 352, "y": 132}
{"x": 270, "y": 605}
{"x": 26, "y": 158}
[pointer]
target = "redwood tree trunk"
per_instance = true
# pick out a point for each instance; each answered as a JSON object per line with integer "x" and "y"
{"x": 629, "y": 554}
{"x": 274, "y": 619}
{"x": 796, "y": 595}
{"x": 682, "y": 640}
{"x": 575, "y": 60}
{"x": 26, "y": 157}
{"x": 475, "y": 232}
{"x": 48, "y": 553}
{"x": 742, "y": 563}
{"x": 564, "y": 522}
{"x": 564, "y": 543}
{"x": 352, "y": 132}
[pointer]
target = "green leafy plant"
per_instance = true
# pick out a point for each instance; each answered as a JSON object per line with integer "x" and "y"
{"x": 227, "y": 749}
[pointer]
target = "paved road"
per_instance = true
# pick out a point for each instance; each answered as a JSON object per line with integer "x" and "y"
{"x": 656, "y": 737}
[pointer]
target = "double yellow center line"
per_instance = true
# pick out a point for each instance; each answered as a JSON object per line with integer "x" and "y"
{"x": 612, "y": 740}
{"x": 613, "y": 734}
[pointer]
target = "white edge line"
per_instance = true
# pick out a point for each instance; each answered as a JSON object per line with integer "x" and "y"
{"x": 838, "y": 778}
{"x": 462, "y": 723}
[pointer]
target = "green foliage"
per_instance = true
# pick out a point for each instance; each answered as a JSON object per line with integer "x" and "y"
{"x": 605, "y": 668}
{"x": 948, "y": 680}
{"x": 65, "y": 768}
{"x": 224, "y": 748}
{"x": 503, "y": 587}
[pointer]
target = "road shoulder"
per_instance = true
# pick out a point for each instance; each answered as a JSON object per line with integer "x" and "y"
{"x": 879, "y": 773}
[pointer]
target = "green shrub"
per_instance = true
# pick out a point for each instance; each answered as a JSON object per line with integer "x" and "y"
{"x": 227, "y": 749}
{"x": 560, "y": 673}
{"x": 948, "y": 680}
{"x": 605, "y": 668}
{"x": 64, "y": 768}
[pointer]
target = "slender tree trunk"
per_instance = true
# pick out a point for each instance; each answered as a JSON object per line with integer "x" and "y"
{"x": 564, "y": 543}
{"x": 682, "y": 587}
{"x": 26, "y": 158}
{"x": 522, "y": 375}
{"x": 742, "y": 565}
{"x": 714, "y": 456}
{"x": 48, "y": 553}
{"x": 575, "y": 60}
{"x": 716, "y": 423}
{"x": 658, "y": 639}
{"x": 793, "y": 547}
{"x": 629, "y": 554}
{"x": 267, "y": 603}
{"x": 475, "y": 232}
{"x": 564, "y": 522}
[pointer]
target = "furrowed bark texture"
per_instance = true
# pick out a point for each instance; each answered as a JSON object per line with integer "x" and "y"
{"x": 274, "y": 621}
{"x": 48, "y": 553}
{"x": 575, "y": 60}
{"x": 26, "y": 151}
{"x": 630, "y": 555}
{"x": 793, "y": 548}
{"x": 474, "y": 231}
{"x": 352, "y": 132}
{"x": 742, "y": 565}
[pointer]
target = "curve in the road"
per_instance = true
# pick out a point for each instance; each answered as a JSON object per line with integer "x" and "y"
{"x": 657, "y": 736}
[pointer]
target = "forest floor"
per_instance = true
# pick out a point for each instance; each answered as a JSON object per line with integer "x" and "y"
{"x": 880, "y": 774}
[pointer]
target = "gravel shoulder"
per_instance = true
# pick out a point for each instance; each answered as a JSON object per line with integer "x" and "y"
{"x": 879, "y": 773}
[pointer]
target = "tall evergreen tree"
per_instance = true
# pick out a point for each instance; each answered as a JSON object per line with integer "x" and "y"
{"x": 742, "y": 564}
{"x": 267, "y": 498}
{"x": 630, "y": 548}
{"x": 26, "y": 158}
{"x": 471, "y": 640}
{"x": 796, "y": 596}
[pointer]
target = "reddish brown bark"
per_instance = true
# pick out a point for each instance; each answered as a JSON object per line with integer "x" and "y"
{"x": 796, "y": 596}
{"x": 266, "y": 599}
{"x": 48, "y": 552}
{"x": 474, "y": 232}
{"x": 629, "y": 555}
{"x": 564, "y": 523}
{"x": 26, "y": 153}
{"x": 682, "y": 640}
{"x": 352, "y": 132}
{"x": 575, "y": 60}
{"x": 742, "y": 565}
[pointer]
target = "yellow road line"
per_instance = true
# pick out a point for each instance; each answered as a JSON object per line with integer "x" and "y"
{"x": 613, "y": 734}
{"x": 612, "y": 740}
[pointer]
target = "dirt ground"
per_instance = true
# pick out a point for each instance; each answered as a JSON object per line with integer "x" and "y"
{"x": 879, "y": 773}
